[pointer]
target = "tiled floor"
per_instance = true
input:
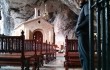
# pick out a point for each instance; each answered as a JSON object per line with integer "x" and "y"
{"x": 54, "y": 65}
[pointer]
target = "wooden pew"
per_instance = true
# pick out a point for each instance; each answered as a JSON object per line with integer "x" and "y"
{"x": 15, "y": 51}
{"x": 48, "y": 52}
{"x": 72, "y": 54}
{"x": 31, "y": 49}
{"x": 53, "y": 52}
{"x": 44, "y": 51}
{"x": 47, "y": 58}
{"x": 10, "y": 45}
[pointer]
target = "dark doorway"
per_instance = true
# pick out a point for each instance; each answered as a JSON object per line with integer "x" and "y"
{"x": 38, "y": 36}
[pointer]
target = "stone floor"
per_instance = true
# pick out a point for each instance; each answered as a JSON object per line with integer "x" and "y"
{"x": 54, "y": 65}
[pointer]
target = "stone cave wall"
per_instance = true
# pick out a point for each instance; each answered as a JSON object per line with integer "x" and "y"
{"x": 61, "y": 13}
{"x": 14, "y": 12}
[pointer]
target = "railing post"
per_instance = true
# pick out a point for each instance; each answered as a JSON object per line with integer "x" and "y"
{"x": 22, "y": 54}
{"x": 91, "y": 34}
{"x": 107, "y": 25}
{"x": 66, "y": 45}
{"x": 46, "y": 52}
{"x": 98, "y": 7}
{"x": 35, "y": 48}
{"x": 103, "y": 37}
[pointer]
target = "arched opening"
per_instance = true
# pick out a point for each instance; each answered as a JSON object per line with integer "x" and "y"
{"x": 38, "y": 36}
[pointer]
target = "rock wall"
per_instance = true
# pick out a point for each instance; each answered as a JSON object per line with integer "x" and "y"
{"x": 5, "y": 17}
{"x": 14, "y": 12}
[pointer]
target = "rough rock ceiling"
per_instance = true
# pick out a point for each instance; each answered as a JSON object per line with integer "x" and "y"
{"x": 72, "y": 4}
{"x": 20, "y": 5}
{"x": 17, "y": 11}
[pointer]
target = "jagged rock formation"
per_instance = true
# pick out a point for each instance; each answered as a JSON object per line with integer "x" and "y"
{"x": 17, "y": 11}
{"x": 72, "y": 4}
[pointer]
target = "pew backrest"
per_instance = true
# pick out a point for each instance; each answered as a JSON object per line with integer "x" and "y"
{"x": 11, "y": 44}
{"x": 71, "y": 45}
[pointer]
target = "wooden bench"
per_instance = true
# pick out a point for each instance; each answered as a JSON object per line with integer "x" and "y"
{"x": 16, "y": 51}
{"x": 31, "y": 49}
{"x": 44, "y": 51}
{"x": 53, "y": 52}
{"x": 72, "y": 54}
{"x": 48, "y": 52}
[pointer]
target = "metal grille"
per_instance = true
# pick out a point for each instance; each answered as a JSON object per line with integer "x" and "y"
{"x": 99, "y": 13}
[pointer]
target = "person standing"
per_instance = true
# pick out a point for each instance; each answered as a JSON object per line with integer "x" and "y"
{"x": 82, "y": 32}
